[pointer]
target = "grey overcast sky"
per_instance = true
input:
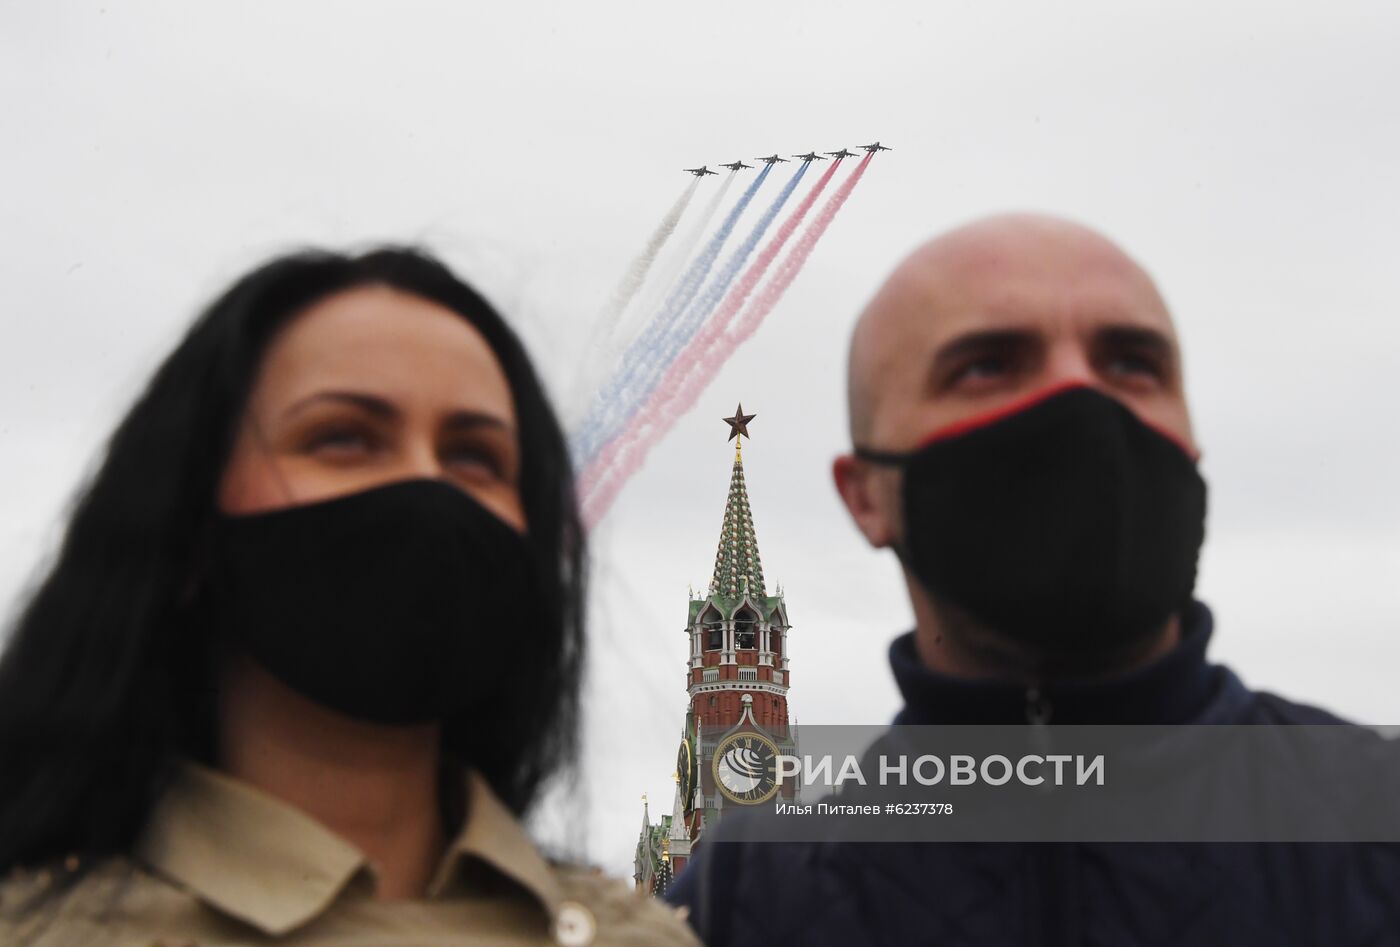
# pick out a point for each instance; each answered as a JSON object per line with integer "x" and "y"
{"x": 1247, "y": 153}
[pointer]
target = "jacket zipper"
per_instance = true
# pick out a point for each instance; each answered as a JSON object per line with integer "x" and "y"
{"x": 1053, "y": 860}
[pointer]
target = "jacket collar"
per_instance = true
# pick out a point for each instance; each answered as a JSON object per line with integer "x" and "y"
{"x": 256, "y": 858}
{"x": 1175, "y": 688}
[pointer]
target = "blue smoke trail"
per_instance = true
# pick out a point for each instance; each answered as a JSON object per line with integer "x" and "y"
{"x": 649, "y": 372}
{"x": 639, "y": 356}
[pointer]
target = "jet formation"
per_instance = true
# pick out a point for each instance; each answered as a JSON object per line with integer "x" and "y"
{"x": 774, "y": 158}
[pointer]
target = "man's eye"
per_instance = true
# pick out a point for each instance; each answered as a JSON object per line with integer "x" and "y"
{"x": 981, "y": 369}
{"x": 1130, "y": 364}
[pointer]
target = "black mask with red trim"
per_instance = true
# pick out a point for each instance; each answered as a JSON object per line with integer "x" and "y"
{"x": 1064, "y": 522}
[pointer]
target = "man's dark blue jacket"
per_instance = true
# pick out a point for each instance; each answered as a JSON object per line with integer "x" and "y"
{"x": 1050, "y": 894}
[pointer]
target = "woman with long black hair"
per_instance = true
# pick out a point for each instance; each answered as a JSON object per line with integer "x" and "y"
{"x": 312, "y": 642}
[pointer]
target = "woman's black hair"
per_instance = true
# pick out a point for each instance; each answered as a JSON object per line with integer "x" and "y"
{"x": 104, "y": 684}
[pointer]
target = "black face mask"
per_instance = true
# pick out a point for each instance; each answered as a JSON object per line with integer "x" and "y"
{"x": 1066, "y": 523}
{"x": 399, "y": 604}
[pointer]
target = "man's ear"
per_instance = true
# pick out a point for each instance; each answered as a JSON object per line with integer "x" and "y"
{"x": 857, "y": 482}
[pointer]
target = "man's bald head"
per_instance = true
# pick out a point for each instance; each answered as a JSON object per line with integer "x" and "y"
{"x": 999, "y": 308}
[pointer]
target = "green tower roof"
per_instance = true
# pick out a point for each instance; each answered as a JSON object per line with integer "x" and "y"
{"x": 737, "y": 566}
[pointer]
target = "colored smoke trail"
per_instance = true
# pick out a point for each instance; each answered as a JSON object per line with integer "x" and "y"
{"x": 601, "y": 462}
{"x": 611, "y": 402}
{"x": 603, "y": 417}
{"x": 702, "y": 349}
{"x": 604, "y": 479}
{"x": 607, "y": 322}
{"x": 767, "y": 300}
{"x": 589, "y": 399}
{"x": 669, "y": 273}
{"x": 693, "y": 317}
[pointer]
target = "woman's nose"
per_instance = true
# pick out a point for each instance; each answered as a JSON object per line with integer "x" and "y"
{"x": 420, "y": 459}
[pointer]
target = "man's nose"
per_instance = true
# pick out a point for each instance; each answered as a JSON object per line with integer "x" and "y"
{"x": 1068, "y": 363}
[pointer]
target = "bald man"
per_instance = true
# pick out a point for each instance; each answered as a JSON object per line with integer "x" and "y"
{"x": 1021, "y": 441}
{"x": 1007, "y": 320}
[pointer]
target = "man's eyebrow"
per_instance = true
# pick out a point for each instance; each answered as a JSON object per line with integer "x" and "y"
{"x": 1137, "y": 337}
{"x": 978, "y": 343}
{"x": 371, "y": 404}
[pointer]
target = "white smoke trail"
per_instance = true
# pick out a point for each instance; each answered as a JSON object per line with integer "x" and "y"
{"x": 669, "y": 273}
{"x": 606, "y": 325}
{"x": 637, "y": 272}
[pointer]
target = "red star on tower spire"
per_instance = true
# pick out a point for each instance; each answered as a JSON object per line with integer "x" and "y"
{"x": 739, "y": 424}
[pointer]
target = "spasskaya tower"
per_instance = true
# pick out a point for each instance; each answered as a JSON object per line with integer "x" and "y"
{"x": 737, "y": 681}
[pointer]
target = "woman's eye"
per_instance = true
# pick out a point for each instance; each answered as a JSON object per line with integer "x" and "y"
{"x": 339, "y": 442}
{"x": 473, "y": 459}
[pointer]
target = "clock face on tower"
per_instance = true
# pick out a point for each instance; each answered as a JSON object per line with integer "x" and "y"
{"x": 746, "y": 768}
{"x": 685, "y": 773}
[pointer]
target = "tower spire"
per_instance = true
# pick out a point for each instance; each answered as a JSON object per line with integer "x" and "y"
{"x": 737, "y": 566}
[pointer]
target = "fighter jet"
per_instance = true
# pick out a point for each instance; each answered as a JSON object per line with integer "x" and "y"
{"x": 810, "y": 156}
{"x": 843, "y": 153}
{"x": 871, "y": 149}
{"x": 701, "y": 171}
{"x": 772, "y": 159}
{"x": 736, "y": 165}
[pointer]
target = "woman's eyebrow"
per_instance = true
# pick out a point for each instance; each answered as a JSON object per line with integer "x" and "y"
{"x": 469, "y": 420}
{"x": 384, "y": 409}
{"x": 371, "y": 404}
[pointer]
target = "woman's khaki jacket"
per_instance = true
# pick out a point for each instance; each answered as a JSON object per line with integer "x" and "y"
{"x": 222, "y": 863}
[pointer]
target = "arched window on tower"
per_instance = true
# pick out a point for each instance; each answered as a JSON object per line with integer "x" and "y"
{"x": 745, "y": 633}
{"x": 775, "y": 641}
{"x": 714, "y": 630}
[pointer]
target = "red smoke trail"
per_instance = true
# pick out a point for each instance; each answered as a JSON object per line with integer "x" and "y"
{"x": 601, "y": 483}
